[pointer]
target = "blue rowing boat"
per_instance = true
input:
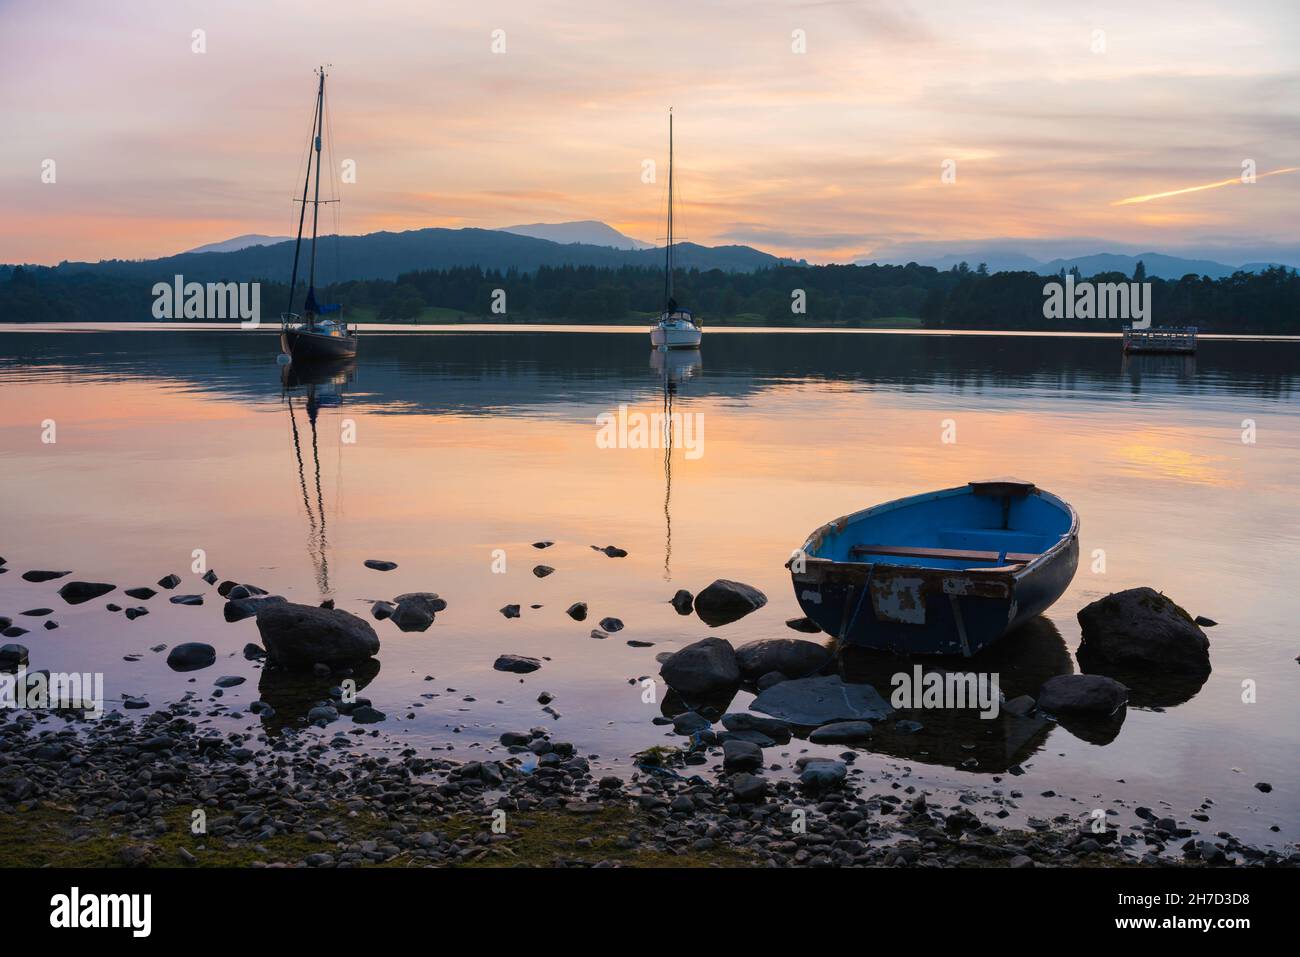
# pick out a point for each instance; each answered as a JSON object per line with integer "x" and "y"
{"x": 940, "y": 573}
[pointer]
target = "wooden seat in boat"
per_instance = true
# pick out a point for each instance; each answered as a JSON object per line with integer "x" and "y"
{"x": 943, "y": 554}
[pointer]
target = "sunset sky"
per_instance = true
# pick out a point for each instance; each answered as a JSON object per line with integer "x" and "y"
{"x": 833, "y": 154}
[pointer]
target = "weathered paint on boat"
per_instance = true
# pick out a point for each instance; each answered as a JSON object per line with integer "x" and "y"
{"x": 970, "y": 564}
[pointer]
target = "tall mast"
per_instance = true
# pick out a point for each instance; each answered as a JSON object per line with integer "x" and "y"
{"x": 302, "y": 212}
{"x": 315, "y": 209}
{"x": 668, "y": 251}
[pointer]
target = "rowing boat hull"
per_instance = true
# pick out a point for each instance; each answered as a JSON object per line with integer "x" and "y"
{"x": 915, "y": 608}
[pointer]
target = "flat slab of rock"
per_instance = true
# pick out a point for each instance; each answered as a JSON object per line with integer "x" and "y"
{"x": 74, "y": 593}
{"x": 726, "y": 601}
{"x": 1142, "y": 629}
{"x": 793, "y": 657}
{"x": 704, "y": 667}
{"x": 519, "y": 664}
{"x": 40, "y": 575}
{"x": 812, "y": 702}
{"x": 1082, "y": 695}
{"x": 191, "y": 656}
{"x": 299, "y": 636}
{"x": 843, "y": 732}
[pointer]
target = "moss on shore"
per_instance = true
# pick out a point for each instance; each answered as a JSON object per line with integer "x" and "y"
{"x": 45, "y": 835}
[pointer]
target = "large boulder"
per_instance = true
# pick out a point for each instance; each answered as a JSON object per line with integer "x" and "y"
{"x": 726, "y": 601}
{"x": 1141, "y": 628}
{"x": 812, "y": 702}
{"x": 299, "y": 636}
{"x": 1082, "y": 695}
{"x": 793, "y": 657}
{"x": 705, "y": 667}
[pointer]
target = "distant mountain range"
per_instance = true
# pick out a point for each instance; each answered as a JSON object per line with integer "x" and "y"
{"x": 386, "y": 255}
{"x": 239, "y": 242}
{"x": 588, "y": 232}
{"x": 998, "y": 258}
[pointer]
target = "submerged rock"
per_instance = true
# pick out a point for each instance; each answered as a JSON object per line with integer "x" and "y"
{"x": 519, "y": 664}
{"x": 191, "y": 656}
{"x": 1082, "y": 695}
{"x": 819, "y": 774}
{"x": 416, "y": 610}
{"x": 1141, "y": 628}
{"x": 74, "y": 593}
{"x": 702, "y": 668}
{"x": 299, "y": 636}
{"x": 613, "y": 551}
{"x": 237, "y": 609}
{"x": 842, "y": 732}
{"x": 683, "y": 601}
{"x": 245, "y": 591}
{"x": 793, "y": 657}
{"x": 740, "y": 721}
{"x": 816, "y": 701}
{"x": 726, "y": 601}
{"x": 40, "y": 575}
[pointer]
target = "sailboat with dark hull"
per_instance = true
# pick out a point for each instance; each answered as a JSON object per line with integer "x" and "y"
{"x": 310, "y": 337}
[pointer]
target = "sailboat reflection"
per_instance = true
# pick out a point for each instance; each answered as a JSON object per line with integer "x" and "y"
{"x": 316, "y": 385}
{"x": 674, "y": 368}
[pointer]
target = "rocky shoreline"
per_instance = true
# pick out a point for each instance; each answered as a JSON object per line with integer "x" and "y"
{"x": 292, "y": 783}
{"x": 160, "y": 791}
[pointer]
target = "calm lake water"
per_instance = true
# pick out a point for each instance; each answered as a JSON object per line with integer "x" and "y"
{"x": 469, "y": 442}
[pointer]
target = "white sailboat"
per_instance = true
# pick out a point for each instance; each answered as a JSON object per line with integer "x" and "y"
{"x": 676, "y": 327}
